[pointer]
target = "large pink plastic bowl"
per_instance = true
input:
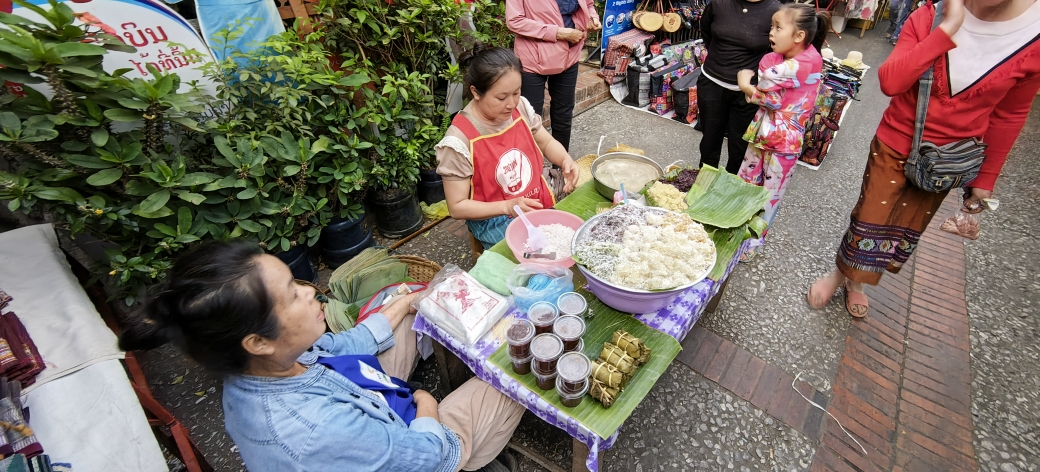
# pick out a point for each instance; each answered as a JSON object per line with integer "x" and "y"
{"x": 516, "y": 234}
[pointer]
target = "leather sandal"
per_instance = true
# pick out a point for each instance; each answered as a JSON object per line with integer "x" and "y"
{"x": 853, "y": 299}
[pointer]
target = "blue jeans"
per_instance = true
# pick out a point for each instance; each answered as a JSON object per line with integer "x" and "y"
{"x": 898, "y": 11}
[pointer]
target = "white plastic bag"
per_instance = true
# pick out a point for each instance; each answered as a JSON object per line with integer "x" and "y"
{"x": 460, "y": 305}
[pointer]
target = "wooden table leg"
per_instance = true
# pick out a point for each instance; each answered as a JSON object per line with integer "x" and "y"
{"x": 714, "y": 302}
{"x": 579, "y": 454}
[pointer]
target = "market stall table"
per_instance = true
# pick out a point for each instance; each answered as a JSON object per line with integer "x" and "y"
{"x": 675, "y": 320}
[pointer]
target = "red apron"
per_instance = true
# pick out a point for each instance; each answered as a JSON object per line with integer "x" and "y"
{"x": 507, "y": 164}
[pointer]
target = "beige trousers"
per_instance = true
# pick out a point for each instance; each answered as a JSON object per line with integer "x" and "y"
{"x": 482, "y": 417}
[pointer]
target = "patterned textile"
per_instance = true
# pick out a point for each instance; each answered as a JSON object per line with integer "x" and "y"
{"x": 888, "y": 220}
{"x": 28, "y": 361}
{"x": 861, "y": 9}
{"x": 770, "y": 170}
{"x": 675, "y": 320}
{"x": 4, "y": 299}
{"x": 786, "y": 91}
{"x": 15, "y": 463}
{"x": 619, "y": 52}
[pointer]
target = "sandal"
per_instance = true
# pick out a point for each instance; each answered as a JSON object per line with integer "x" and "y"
{"x": 855, "y": 299}
{"x": 813, "y": 294}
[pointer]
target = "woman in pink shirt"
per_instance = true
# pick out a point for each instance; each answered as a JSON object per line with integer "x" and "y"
{"x": 549, "y": 38}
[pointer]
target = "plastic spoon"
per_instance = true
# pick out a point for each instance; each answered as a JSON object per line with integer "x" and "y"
{"x": 624, "y": 194}
{"x": 536, "y": 238}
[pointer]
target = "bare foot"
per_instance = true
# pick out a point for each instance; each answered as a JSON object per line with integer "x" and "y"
{"x": 823, "y": 289}
{"x": 856, "y": 302}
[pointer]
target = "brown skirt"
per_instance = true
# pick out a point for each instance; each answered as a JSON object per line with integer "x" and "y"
{"x": 888, "y": 219}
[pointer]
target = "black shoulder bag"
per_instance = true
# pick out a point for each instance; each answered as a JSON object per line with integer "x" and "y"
{"x": 940, "y": 168}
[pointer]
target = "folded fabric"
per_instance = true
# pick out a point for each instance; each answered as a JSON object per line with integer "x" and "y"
{"x": 15, "y": 463}
{"x": 13, "y": 420}
{"x": 27, "y": 360}
{"x": 492, "y": 269}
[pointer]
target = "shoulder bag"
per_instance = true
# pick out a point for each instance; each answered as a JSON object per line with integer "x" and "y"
{"x": 940, "y": 168}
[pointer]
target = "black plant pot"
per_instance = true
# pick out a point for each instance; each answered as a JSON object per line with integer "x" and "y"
{"x": 342, "y": 233}
{"x": 336, "y": 257}
{"x": 397, "y": 212}
{"x": 299, "y": 263}
{"x": 431, "y": 188}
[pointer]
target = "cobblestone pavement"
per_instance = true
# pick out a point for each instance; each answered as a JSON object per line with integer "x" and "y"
{"x": 691, "y": 423}
{"x": 1003, "y": 297}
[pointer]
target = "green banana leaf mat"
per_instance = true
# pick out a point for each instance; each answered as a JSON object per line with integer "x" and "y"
{"x": 599, "y": 328}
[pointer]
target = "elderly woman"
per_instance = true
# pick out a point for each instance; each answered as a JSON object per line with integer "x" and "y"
{"x": 490, "y": 158}
{"x": 986, "y": 55}
{"x": 299, "y": 399}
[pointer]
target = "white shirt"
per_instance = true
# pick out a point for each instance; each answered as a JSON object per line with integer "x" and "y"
{"x": 984, "y": 45}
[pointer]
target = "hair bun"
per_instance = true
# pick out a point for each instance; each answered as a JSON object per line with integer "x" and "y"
{"x": 467, "y": 57}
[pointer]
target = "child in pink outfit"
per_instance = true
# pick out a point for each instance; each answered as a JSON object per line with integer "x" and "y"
{"x": 788, "y": 82}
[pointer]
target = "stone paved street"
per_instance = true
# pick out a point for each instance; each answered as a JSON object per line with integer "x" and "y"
{"x": 901, "y": 381}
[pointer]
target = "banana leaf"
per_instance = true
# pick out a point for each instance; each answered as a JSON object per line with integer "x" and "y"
{"x": 340, "y": 316}
{"x": 728, "y": 240}
{"x": 724, "y": 200}
{"x": 605, "y": 421}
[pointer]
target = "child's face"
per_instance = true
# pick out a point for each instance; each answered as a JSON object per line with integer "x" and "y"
{"x": 784, "y": 38}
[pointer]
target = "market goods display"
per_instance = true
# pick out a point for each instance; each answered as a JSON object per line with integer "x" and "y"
{"x": 635, "y": 248}
{"x": 633, "y": 174}
{"x": 460, "y": 305}
{"x": 559, "y": 240}
{"x": 616, "y": 365}
{"x": 632, "y": 345}
{"x": 682, "y": 179}
{"x": 666, "y": 196}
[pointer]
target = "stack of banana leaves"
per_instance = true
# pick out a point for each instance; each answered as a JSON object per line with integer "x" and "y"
{"x": 353, "y": 283}
{"x": 730, "y": 210}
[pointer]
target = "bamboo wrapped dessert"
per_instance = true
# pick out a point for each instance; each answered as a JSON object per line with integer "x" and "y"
{"x": 632, "y": 345}
{"x": 602, "y": 393}
{"x": 608, "y": 375}
{"x": 617, "y": 358}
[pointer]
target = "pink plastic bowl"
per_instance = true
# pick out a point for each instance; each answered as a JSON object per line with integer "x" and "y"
{"x": 516, "y": 234}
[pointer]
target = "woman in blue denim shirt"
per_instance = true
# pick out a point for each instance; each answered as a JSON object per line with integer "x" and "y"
{"x": 239, "y": 312}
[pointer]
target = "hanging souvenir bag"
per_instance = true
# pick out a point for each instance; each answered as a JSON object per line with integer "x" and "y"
{"x": 935, "y": 168}
{"x": 684, "y": 97}
{"x": 649, "y": 17}
{"x": 638, "y": 85}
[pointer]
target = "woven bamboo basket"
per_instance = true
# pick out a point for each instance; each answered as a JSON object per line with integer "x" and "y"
{"x": 585, "y": 168}
{"x": 420, "y": 269}
{"x": 672, "y": 22}
{"x": 648, "y": 20}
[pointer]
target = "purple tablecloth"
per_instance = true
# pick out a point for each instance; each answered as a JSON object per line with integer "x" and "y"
{"x": 676, "y": 320}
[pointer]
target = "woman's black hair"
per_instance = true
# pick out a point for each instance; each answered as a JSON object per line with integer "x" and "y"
{"x": 806, "y": 18}
{"x": 484, "y": 65}
{"x": 212, "y": 298}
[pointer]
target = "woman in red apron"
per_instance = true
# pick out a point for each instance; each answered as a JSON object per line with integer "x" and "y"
{"x": 491, "y": 157}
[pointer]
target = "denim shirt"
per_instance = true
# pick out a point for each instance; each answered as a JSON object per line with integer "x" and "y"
{"x": 320, "y": 421}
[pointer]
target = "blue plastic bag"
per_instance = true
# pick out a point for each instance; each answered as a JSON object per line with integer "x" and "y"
{"x": 531, "y": 283}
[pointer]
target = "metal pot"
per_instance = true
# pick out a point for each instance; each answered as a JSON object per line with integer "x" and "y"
{"x": 608, "y": 191}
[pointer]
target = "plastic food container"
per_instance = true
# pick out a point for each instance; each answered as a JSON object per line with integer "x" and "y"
{"x": 568, "y": 398}
{"x": 519, "y": 336}
{"x": 545, "y": 382}
{"x": 569, "y": 328}
{"x": 521, "y": 366}
{"x": 574, "y": 369}
{"x": 546, "y": 349}
{"x": 572, "y": 303}
{"x": 543, "y": 315}
{"x": 516, "y": 234}
{"x": 628, "y": 300}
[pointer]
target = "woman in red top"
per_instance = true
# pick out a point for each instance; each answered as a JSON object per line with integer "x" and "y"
{"x": 491, "y": 156}
{"x": 987, "y": 70}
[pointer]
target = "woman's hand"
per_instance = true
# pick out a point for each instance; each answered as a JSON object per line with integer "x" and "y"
{"x": 570, "y": 35}
{"x": 425, "y": 405}
{"x": 570, "y": 174}
{"x": 953, "y": 16}
{"x": 973, "y": 203}
{"x": 396, "y": 311}
{"x": 594, "y": 24}
{"x": 525, "y": 204}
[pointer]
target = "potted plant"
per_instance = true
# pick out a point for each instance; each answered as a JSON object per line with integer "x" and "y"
{"x": 287, "y": 88}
